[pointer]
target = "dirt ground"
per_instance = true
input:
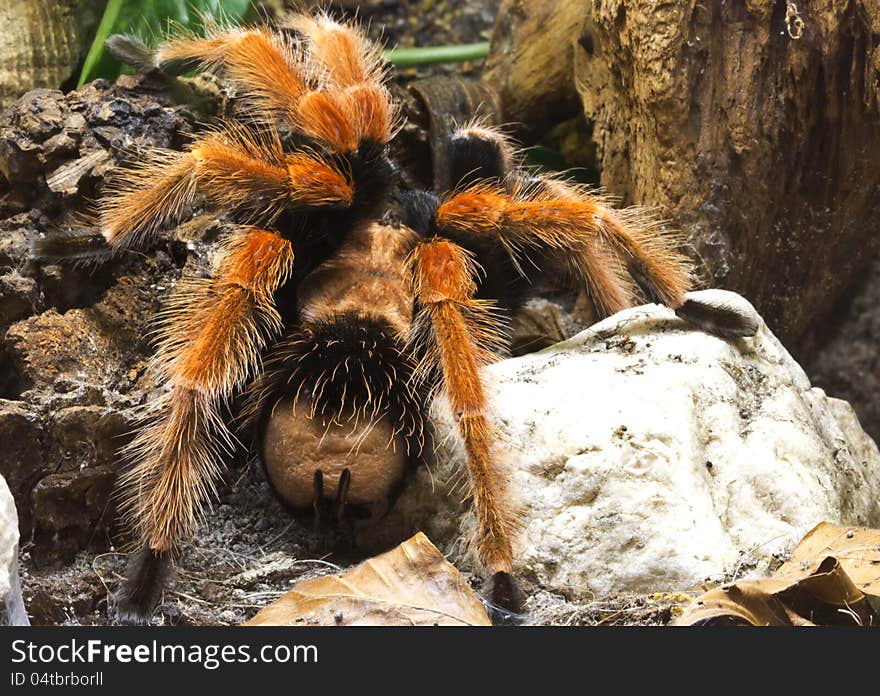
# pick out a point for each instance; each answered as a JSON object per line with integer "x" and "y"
{"x": 250, "y": 552}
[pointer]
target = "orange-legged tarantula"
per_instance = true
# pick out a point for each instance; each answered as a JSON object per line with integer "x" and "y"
{"x": 325, "y": 317}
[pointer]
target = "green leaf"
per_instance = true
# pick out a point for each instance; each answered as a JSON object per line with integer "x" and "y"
{"x": 150, "y": 19}
{"x": 91, "y": 66}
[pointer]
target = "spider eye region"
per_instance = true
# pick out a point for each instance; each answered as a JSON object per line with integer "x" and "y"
{"x": 416, "y": 209}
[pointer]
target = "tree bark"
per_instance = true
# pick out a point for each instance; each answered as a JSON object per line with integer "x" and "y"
{"x": 42, "y": 42}
{"x": 531, "y": 62}
{"x": 761, "y": 148}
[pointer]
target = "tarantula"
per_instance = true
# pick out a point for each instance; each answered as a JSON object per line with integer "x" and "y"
{"x": 338, "y": 326}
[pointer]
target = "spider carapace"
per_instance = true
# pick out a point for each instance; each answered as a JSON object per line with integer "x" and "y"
{"x": 339, "y": 302}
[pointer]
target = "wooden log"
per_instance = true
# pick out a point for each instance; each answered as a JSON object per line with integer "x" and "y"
{"x": 531, "y": 62}
{"x": 42, "y": 42}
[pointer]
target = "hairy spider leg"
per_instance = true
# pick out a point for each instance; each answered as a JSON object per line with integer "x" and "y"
{"x": 269, "y": 73}
{"x": 478, "y": 160}
{"x": 606, "y": 249}
{"x": 471, "y": 154}
{"x": 352, "y": 68}
{"x": 455, "y": 334}
{"x": 233, "y": 168}
{"x": 576, "y": 225}
{"x": 596, "y": 239}
{"x": 328, "y": 86}
{"x": 211, "y": 336}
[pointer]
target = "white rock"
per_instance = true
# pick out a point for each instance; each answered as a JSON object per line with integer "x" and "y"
{"x": 649, "y": 456}
{"x": 12, "y": 612}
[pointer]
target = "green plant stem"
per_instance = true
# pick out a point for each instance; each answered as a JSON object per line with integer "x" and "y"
{"x": 429, "y": 55}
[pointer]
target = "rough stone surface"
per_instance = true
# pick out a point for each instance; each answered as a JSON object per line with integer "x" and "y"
{"x": 73, "y": 340}
{"x": 12, "y": 612}
{"x": 8, "y": 536}
{"x": 648, "y": 457}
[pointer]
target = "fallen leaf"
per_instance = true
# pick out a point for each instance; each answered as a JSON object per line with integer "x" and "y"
{"x": 535, "y": 329}
{"x": 832, "y": 578}
{"x": 857, "y": 549}
{"x": 411, "y": 585}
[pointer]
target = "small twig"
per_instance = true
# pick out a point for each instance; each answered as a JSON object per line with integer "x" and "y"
{"x": 279, "y": 535}
{"x": 190, "y": 597}
{"x": 98, "y": 573}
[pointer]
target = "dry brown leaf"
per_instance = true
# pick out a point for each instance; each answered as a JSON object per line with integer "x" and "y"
{"x": 856, "y": 548}
{"x": 832, "y": 578}
{"x": 535, "y": 329}
{"x": 411, "y": 585}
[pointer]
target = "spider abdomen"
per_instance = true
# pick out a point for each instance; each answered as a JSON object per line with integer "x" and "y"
{"x": 296, "y": 444}
{"x": 335, "y": 395}
{"x": 337, "y": 391}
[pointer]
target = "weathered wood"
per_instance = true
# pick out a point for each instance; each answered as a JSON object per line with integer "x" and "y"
{"x": 531, "y": 62}
{"x": 42, "y": 42}
{"x": 448, "y": 103}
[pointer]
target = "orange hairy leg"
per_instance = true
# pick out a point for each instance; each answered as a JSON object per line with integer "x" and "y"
{"x": 460, "y": 333}
{"x": 347, "y": 56}
{"x": 233, "y": 169}
{"x": 582, "y": 228}
{"x": 262, "y": 64}
{"x": 338, "y": 108}
{"x": 210, "y": 341}
{"x": 269, "y": 72}
{"x": 354, "y": 73}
